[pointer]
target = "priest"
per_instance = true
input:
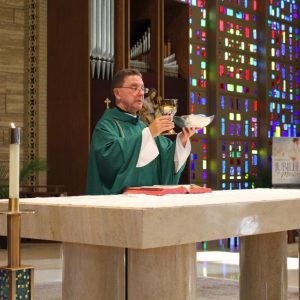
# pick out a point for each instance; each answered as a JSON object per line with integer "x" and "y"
{"x": 125, "y": 152}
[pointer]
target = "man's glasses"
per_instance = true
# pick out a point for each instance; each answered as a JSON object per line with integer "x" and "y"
{"x": 136, "y": 89}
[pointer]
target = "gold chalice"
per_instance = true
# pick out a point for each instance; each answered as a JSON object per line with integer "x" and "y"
{"x": 168, "y": 107}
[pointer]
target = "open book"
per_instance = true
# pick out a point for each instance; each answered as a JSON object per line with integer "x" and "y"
{"x": 160, "y": 190}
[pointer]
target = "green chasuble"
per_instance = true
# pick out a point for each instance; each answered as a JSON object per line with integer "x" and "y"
{"x": 114, "y": 153}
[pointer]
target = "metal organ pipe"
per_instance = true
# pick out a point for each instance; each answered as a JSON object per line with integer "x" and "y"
{"x": 102, "y": 39}
{"x": 112, "y": 39}
{"x": 93, "y": 39}
{"x": 140, "y": 52}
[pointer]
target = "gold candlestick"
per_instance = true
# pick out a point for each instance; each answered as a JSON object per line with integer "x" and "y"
{"x": 16, "y": 281}
{"x": 13, "y": 234}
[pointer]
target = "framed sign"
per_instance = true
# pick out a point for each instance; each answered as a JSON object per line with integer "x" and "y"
{"x": 286, "y": 161}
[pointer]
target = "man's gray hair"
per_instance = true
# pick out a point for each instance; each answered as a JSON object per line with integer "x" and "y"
{"x": 119, "y": 77}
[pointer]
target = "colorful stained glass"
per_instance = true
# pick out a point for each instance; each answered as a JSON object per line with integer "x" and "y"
{"x": 237, "y": 156}
{"x": 239, "y": 89}
{"x": 198, "y": 86}
{"x": 198, "y": 103}
{"x": 198, "y": 161}
{"x": 284, "y": 40}
{"x": 243, "y": 4}
{"x": 284, "y": 80}
{"x": 241, "y": 124}
{"x": 285, "y": 10}
{"x": 198, "y": 3}
{"x": 284, "y": 120}
{"x": 198, "y": 73}
{"x": 198, "y": 32}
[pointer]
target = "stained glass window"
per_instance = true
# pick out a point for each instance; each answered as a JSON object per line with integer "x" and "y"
{"x": 283, "y": 68}
{"x": 237, "y": 93}
{"x": 198, "y": 89}
{"x": 255, "y": 79}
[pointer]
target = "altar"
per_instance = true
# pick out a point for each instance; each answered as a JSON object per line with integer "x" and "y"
{"x": 137, "y": 247}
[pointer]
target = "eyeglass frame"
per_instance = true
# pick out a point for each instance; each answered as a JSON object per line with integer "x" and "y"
{"x": 135, "y": 89}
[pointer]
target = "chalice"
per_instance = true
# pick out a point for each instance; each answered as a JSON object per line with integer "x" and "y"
{"x": 168, "y": 107}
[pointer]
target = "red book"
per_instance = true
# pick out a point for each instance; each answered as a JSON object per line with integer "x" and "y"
{"x": 199, "y": 190}
{"x": 160, "y": 190}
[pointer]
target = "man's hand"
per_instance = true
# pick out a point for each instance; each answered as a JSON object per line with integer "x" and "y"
{"x": 186, "y": 134}
{"x": 161, "y": 124}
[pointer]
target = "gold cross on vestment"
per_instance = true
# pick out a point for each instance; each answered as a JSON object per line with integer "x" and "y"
{"x": 107, "y": 101}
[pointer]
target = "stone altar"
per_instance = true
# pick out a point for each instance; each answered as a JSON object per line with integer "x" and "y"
{"x": 157, "y": 235}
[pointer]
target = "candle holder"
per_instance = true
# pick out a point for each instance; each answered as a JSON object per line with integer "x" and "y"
{"x": 16, "y": 281}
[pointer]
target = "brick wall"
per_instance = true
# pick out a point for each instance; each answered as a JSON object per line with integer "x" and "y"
{"x": 14, "y": 81}
{"x": 11, "y": 70}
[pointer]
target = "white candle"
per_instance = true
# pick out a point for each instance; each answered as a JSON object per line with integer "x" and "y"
{"x": 14, "y": 161}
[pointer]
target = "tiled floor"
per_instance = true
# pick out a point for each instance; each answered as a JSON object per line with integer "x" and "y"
{"x": 213, "y": 263}
{"x": 226, "y": 265}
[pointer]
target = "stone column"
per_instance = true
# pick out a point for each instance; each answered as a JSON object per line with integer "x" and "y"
{"x": 167, "y": 273}
{"x": 263, "y": 266}
{"x": 93, "y": 272}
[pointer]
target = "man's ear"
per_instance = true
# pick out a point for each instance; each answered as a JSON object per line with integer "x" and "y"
{"x": 117, "y": 93}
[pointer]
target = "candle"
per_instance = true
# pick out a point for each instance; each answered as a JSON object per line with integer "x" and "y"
{"x": 14, "y": 161}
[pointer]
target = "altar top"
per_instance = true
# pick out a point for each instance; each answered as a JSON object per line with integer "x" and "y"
{"x": 143, "y": 221}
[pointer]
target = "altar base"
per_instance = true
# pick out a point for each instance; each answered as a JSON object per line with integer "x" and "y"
{"x": 263, "y": 266}
{"x": 93, "y": 272}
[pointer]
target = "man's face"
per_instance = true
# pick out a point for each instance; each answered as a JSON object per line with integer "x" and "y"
{"x": 130, "y": 96}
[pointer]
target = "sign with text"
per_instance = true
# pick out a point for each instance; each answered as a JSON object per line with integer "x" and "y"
{"x": 286, "y": 161}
